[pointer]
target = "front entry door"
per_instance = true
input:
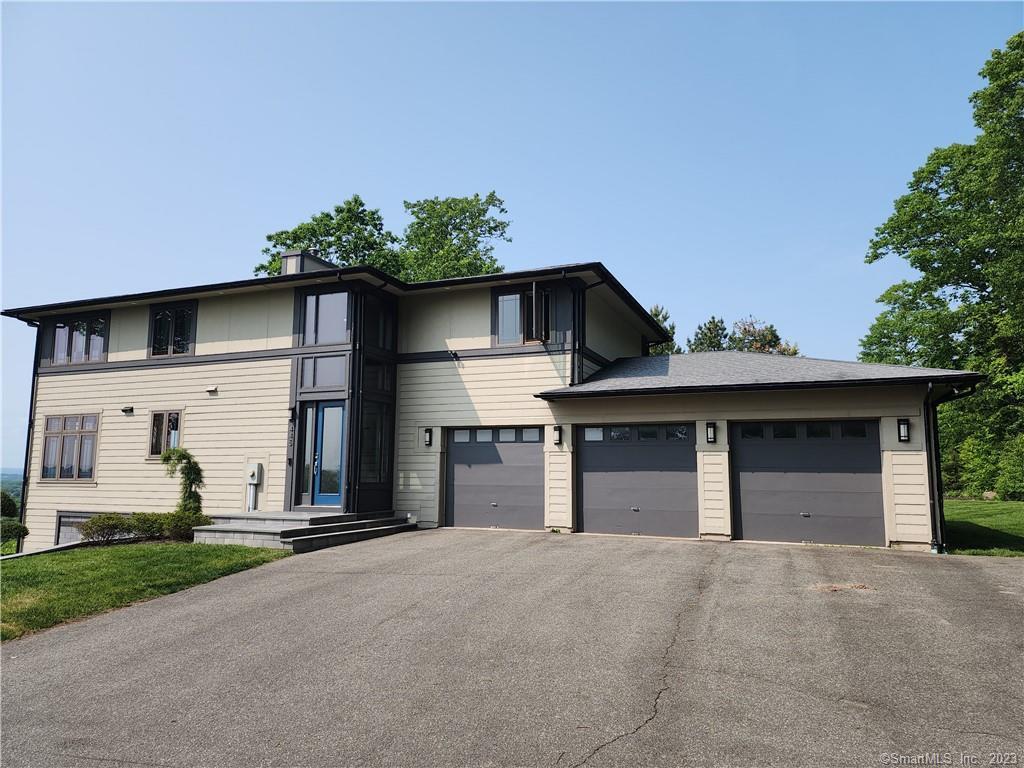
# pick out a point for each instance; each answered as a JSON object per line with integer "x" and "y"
{"x": 328, "y": 454}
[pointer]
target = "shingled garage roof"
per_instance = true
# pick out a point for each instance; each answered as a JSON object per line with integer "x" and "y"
{"x": 744, "y": 371}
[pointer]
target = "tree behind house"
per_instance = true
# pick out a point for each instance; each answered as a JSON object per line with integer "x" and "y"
{"x": 669, "y": 347}
{"x": 447, "y": 237}
{"x": 961, "y": 227}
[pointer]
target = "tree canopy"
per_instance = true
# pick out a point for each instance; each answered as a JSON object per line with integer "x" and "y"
{"x": 710, "y": 336}
{"x": 961, "y": 226}
{"x": 661, "y": 314}
{"x": 446, "y": 237}
{"x": 748, "y": 335}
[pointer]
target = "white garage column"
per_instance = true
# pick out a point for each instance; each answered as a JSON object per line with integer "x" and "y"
{"x": 905, "y": 493}
{"x": 558, "y": 474}
{"x": 714, "y": 505}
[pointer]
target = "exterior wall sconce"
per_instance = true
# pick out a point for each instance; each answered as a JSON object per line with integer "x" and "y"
{"x": 711, "y": 431}
{"x": 556, "y": 434}
{"x": 428, "y": 437}
{"x": 128, "y": 410}
{"x": 903, "y": 430}
{"x": 211, "y": 389}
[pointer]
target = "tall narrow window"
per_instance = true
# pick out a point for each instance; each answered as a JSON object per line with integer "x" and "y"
{"x": 172, "y": 330}
{"x": 375, "y": 452}
{"x": 79, "y": 340}
{"x": 69, "y": 447}
{"x": 510, "y": 328}
{"x": 164, "y": 431}
{"x": 326, "y": 319}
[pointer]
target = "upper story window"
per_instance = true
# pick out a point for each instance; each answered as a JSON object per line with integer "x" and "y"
{"x": 80, "y": 339}
{"x": 325, "y": 319}
{"x": 172, "y": 329}
{"x": 522, "y": 315}
{"x": 378, "y": 323}
{"x": 69, "y": 447}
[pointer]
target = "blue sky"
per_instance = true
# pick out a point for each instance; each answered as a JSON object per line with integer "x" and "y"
{"x": 730, "y": 159}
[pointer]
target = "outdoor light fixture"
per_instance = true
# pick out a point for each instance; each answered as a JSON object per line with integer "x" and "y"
{"x": 128, "y": 410}
{"x": 903, "y": 430}
{"x": 428, "y": 437}
{"x": 712, "y": 430}
{"x": 556, "y": 434}
{"x": 211, "y": 389}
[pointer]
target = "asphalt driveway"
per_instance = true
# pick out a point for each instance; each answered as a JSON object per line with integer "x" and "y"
{"x": 477, "y": 648}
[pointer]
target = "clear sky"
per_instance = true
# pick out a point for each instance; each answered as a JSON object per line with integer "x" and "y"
{"x": 731, "y": 159}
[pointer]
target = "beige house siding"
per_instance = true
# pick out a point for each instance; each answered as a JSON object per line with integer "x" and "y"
{"x": 246, "y": 421}
{"x": 245, "y": 322}
{"x": 450, "y": 320}
{"x": 479, "y": 391}
{"x": 129, "y": 334}
{"x": 558, "y": 481}
{"x": 241, "y": 322}
{"x": 713, "y": 503}
{"x": 610, "y": 333}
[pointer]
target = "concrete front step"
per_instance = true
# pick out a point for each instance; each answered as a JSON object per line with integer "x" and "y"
{"x": 348, "y": 525}
{"x": 324, "y": 540}
{"x": 283, "y": 531}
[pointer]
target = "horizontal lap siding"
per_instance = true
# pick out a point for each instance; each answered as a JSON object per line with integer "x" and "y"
{"x": 558, "y": 487}
{"x": 246, "y": 421}
{"x": 478, "y": 391}
{"x": 908, "y": 483}
{"x": 713, "y": 491}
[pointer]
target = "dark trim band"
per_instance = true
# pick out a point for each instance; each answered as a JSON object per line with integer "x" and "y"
{"x": 176, "y": 360}
{"x": 443, "y": 355}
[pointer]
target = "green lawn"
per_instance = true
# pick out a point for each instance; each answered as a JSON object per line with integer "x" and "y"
{"x": 43, "y": 590}
{"x": 985, "y": 527}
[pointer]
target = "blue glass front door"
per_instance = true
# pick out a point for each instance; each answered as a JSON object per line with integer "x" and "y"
{"x": 328, "y": 459}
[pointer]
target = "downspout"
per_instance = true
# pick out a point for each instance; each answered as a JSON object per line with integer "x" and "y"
{"x": 31, "y": 421}
{"x": 933, "y": 449}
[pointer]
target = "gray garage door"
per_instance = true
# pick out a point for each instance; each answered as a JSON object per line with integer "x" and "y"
{"x": 495, "y": 478}
{"x": 815, "y": 481}
{"x": 637, "y": 479}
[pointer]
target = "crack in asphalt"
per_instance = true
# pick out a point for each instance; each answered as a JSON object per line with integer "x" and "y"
{"x": 666, "y": 667}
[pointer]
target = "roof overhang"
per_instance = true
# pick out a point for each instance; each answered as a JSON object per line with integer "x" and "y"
{"x": 591, "y": 272}
{"x": 573, "y": 393}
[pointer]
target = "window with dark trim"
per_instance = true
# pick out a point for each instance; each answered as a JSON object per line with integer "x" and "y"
{"x": 522, "y": 315}
{"x": 172, "y": 329}
{"x": 375, "y": 451}
{"x": 69, "y": 447}
{"x": 325, "y": 318}
{"x": 164, "y": 431}
{"x": 79, "y": 339}
{"x": 753, "y": 431}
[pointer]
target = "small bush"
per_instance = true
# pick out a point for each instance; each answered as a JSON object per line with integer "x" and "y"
{"x": 8, "y": 506}
{"x": 178, "y": 524}
{"x": 106, "y": 528}
{"x": 1010, "y": 483}
{"x": 11, "y": 529}
{"x": 148, "y": 525}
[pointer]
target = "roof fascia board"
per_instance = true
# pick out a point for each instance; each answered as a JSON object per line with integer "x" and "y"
{"x": 967, "y": 378}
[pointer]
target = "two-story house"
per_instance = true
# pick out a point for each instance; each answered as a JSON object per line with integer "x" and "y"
{"x": 330, "y": 404}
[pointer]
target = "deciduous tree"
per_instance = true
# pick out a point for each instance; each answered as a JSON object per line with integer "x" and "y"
{"x": 961, "y": 226}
